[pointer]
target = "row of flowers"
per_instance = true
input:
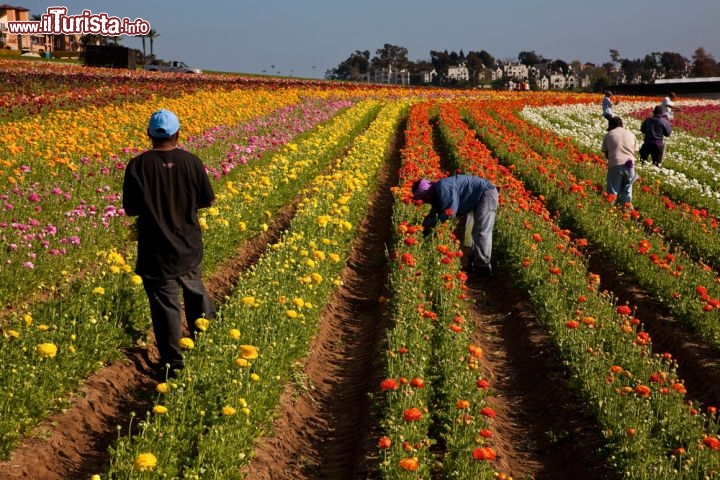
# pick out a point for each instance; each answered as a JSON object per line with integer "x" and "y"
{"x": 204, "y": 423}
{"x": 435, "y": 419}
{"x": 688, "y": 287}
{"x": 634, "y": 392}
{"x": 85, "y": 325}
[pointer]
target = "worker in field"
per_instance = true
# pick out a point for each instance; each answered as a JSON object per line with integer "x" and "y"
{"x": 620, "y": 147}
{"x": 655, "y": 129}
{"x": 457, "y": 196}
{"x": 164, "y": 187}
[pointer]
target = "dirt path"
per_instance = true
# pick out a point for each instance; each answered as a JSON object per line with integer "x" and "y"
{"x": 541, "y": 428}
{"x": 325, "y": 431}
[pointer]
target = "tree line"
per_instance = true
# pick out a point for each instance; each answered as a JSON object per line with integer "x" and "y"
{"x": 654, "y": 65}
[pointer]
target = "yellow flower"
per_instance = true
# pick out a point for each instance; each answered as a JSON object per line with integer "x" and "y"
{"x": 319, "y": 255}
{"x": 95, "y": 477}
{"x": 162, "y": 388}
{"x": 43, "y": 327}
{"x": 145, "y": 462}
{"x": 234, "y": 333}
{"x": 12, "y": 334}
{"x": 28, "y": 319}
{"x": 323, "y": 220}
{"x": 160, "y": 409}
{"x": 228, "y": 411}
{"x": 98, "y": 291}
{"x": 202, "y": 324}
{"x": 245, "y": 411}
{"x": 241, "y": 362}
{"x": 187, "y": 343}
{"x": 291, "y": 313}
{"x": 249, "y": 301}
{"x": 255, "y": 377}
{"x": 136, "y": 280}
{"x": 47, "y": 350}
{"x": 114, "y": 269}
{"x": 298, "y": 302}
{"x": 203, "y": 224}
{"x": 316, "y": 277}
{"x": 248, "y": 352}
{"x": 242, "y": 226}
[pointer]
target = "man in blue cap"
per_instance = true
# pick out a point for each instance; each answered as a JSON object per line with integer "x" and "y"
{"x": 164, "y": 187}
{"x": 457, "y": 196}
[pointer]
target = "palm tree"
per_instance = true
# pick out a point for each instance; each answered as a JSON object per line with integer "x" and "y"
{"x": 152, "y": 35}
{"x": 143, "y": 37}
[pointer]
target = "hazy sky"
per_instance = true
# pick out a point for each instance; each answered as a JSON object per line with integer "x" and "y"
{"x": 306, "y": 38}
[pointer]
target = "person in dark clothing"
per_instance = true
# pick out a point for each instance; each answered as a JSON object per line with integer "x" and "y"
{"x": 164, "y": 187}
{"x": 460, "y": 195}
{"x": 654, "y": 130}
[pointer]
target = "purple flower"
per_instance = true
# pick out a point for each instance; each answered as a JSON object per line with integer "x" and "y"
{"x": 75, "y": 240}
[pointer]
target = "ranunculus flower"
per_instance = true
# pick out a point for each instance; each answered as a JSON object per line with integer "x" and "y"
{"x": 160, "y": 409}
{"x": 412, "y": 414}
{"x": 186, "y": 343}
{"x": 486, "y": 454}
{"x": 202, "y": 324}
{"x": 409, "y": 464}
{"x": 388, "y": 384}
{"x": 248, "y": 352}
{"x": 228, "y": 411}
{"x": 145, "y": 462}
{"x": 47, "y": 350}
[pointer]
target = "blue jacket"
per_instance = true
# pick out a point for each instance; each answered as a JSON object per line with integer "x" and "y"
{"x": 458, "y": 194}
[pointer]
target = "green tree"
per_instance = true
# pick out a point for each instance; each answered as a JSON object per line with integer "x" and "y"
{"x": 673, "y": 64}
{"x": 391, "y": 56}
{"x": 530, "y": 58}
{"x": 704, "y": 65}
{"x": 353, "y": 68}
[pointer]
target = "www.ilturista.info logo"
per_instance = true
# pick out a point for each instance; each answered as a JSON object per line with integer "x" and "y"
{"x": 57, "y": 22}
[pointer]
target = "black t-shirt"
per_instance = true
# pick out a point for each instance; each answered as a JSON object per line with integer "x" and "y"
{"x": 165, "y": 189}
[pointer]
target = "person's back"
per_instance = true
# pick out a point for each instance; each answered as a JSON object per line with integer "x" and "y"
{"x": 166, "y": 188}
{"x": 619, "y": 145}
{"x": 655, "y": 128}
{"x": 461, "y": 192}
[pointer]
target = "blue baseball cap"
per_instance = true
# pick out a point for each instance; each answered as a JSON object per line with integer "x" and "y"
{"x": 163, "y": 124}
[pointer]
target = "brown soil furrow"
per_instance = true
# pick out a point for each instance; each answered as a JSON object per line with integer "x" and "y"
{"x": 325, "y": 428}
{"x": 541, "y": 429}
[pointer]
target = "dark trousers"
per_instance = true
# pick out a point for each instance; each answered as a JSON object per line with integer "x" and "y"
{"x": 165, "y": 311}
{"x": 653, "y": 149}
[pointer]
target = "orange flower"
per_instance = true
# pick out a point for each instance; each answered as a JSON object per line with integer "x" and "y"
{"x": 486, "y": 454}
{"x": 642, "y": 390}
{"x": 409, "y": 464}
{"x": 462, "y": 404}
{"x": 417, "y": 383}
{"x": 475, "y": 350}
{"x": 412, "y": 414}
{"x": 488, "y": 412}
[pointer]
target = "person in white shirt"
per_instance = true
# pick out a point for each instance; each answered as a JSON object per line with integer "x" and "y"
{"x": 668, "y": 103}
{"x": 620, "y": 146}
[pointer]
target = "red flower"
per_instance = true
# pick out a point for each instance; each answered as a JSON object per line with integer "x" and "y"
{"x": 483, "y": 384}
{"x": 712, "y": 442}
{"x": 388, "y": 384}
{"x": 412, "y": 414}
{"x": 700, "y": 290}
{"x": 411, "y": 241}
{"x": 485, "y": 433}
{"x": 623, "y": 310}
{"x": 384, "y": 443}
{"x": 572, "y": 324}
{"x": 484, "y": 454}
{"x": 417, "y": 383}
{"x": 488, "y": 412}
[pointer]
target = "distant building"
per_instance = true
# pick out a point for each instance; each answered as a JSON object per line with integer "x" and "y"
{"x": 518, "y": 71}
{"x": 31, "y": 43}
{"x": 458, "y": 73}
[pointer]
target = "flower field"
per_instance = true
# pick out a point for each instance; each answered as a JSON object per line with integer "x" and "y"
{"x": 347, "y": 344}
